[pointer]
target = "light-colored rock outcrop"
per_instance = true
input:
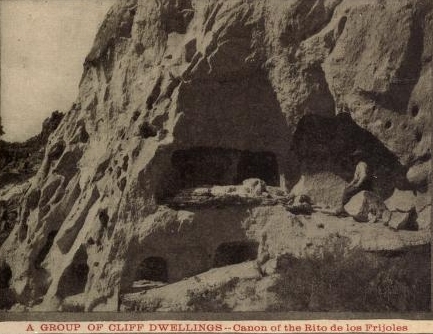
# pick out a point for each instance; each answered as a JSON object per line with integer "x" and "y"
{"x": 404, "y": 220}
{"x": 420, "y": 174}
{"x": 365, "y": 206}
{"x": 187, "y": 94}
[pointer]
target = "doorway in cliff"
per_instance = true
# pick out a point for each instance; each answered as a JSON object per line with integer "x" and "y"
{"x": 5, "y": 275}
{"x": 261, "y": 165}
{"x": 208, "y": 166}
{"x": 235, "y": 252}
{"x": 152, "y": 268}
{"x": 7, "y": 296}
{"x": 74, "y": 279}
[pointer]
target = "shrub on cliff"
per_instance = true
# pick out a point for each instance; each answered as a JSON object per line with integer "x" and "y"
{"x": 354, "y": 280}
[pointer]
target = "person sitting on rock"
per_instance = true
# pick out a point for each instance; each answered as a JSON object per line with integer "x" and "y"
{"x": 361, "y": 181}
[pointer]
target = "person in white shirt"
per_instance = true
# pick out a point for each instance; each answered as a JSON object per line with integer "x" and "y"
{"x": 361, "y": 181}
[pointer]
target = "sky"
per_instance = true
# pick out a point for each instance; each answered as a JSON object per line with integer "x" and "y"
{"x": 43, "y": 47}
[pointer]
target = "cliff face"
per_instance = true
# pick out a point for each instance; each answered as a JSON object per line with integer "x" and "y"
{"x": 186, "y": 93}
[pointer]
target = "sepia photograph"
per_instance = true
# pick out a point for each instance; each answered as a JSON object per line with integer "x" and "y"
{"x": 221, "y": 156}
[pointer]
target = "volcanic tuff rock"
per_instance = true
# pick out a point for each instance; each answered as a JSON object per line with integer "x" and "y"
{"x": 365, "y": 206}
{"x": 189, "y": 93}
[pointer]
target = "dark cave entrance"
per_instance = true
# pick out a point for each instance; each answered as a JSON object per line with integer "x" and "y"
{"x": 235, "y": 252}
{"x": 152, "y": 269}
{"x": 262, "y": 165}
{"x": 5, "y": 275}
{"x": 328, "y": 143}
{"x": 7, "y": 295}
{"x": 207, "y": 166}
{"x": 74, "y": 279}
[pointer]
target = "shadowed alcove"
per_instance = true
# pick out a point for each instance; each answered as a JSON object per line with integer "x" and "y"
{"x": 209, "y": 166}
{"x": 152, "y": 268}
{"x": 235, "y": 252}
{"x": 74, "y": 279}
{"x": 328, "y": 143}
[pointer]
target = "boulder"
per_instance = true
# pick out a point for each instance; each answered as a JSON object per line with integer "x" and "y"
{"x": 401, "y": 200}
{"x": 420, "y": 174}
{"x": 301, "y": 205}
{"x": 322, "y": 187}
{"x": 270, "y": 267}
{"x": 365, "y": 204}
{"x": 254, "y": 187}
{"x": 404, "y": 220}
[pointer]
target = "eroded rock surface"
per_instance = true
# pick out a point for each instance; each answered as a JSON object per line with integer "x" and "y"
{"x": 194, "y": 94}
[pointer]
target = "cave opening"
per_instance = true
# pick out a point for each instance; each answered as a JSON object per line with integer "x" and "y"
{"x": 235, "y": 252}
{"x": 208, "y": 166}
{"x": 323, "y": 143}
{"x": 152, "y": 268}
{"x": 5, "y": 275}
{"x": 7, "y": 295}
{"x": 262, "y": 165}
{"x": 74, "y": 279}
